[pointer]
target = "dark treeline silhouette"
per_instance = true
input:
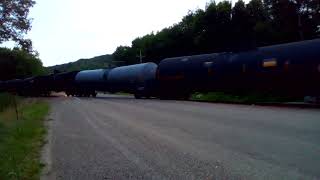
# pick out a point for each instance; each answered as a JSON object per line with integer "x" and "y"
{"x": 221, "y": 28}
{"x": 18, "y": 64}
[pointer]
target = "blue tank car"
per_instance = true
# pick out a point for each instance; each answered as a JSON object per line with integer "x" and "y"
{"x": 291, "y": 69}
{"x": 139, "y": 79}
{"x": 92, "y": 81}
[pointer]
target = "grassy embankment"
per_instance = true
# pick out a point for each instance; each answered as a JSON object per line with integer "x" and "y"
{"x": 245, "y": 98}
{"x": 21, "y": 140}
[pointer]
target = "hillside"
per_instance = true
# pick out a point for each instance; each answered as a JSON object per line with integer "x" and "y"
{"x": 104, "y": 61}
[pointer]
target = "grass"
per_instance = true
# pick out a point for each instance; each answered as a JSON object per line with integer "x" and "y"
{"x": 6, "y": 100}
{"x": 246, "y": 98}
{"x": 21, "y": 140}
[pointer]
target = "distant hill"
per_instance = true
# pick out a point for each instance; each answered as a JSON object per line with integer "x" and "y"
{"x": 104, "y": 61}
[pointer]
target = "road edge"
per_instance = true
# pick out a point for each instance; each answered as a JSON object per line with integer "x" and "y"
{"x": 46, "y": 155}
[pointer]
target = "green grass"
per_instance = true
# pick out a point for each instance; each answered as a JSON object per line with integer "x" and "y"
{"x": 21, "y": 140}
{"x": 246, "y": 98}
{"x": 6, "y": 100}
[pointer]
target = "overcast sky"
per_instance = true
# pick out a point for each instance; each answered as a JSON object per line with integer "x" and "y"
{"x": 67, "y": 30}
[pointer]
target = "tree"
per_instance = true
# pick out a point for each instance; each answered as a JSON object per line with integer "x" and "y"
{"x": 241, "y": 27}
{"x": 260, "y": 20}
{"x": 217, "y": 30}
{"x": 308, "y": 18}
{"x": 17, "y": 63}
{"x": 125, "y": 55}
{"x": 223, "y": 28}
{"x": 294, "y": 20}
{"x": 14, "y": 22}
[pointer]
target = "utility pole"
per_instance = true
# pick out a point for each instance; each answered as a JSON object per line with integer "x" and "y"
{"x": 300, "y": 27}
{"x": 140, "y": 56}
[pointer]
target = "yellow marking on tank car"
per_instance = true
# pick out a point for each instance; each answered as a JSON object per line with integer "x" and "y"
{"x": 267, "y": 63}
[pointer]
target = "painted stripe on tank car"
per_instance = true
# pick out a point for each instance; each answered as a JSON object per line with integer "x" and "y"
{"x": 270, "y": 63}
{"x": 207, "y": 64}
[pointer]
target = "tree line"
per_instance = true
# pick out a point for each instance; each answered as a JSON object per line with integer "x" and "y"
{"x": 19, "y": 64}
{"x": 221, "y": 27}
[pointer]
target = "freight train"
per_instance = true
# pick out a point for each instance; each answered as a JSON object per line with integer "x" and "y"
{"x": 291, "y": 69}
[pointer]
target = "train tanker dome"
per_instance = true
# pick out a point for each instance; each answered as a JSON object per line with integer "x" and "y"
{"x": 139, "y": 79}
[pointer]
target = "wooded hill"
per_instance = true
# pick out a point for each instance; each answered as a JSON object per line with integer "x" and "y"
{"x": 104, "y": 61}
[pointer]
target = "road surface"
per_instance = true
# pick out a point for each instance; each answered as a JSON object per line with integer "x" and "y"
{"x": 118, "y": 137}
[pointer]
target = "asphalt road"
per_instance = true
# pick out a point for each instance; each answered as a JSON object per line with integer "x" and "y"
{"x": 118, "y": 137}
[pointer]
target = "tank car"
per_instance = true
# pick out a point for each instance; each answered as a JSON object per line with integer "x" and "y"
{"x": 40, "y": 85}
{"x": 139, "y": 79}
{"x": 14, "y": 86}
{"x": 91, "y": 81}
{"x": 292, "y": 68}
{"x": 301, "y": 64}
{"x": 28, "y": 87}
{"x": 180, "y": 76}
{"x": 65, "y": 82}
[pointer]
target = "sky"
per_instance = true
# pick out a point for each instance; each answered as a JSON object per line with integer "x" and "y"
{"x": 67, "y": 30}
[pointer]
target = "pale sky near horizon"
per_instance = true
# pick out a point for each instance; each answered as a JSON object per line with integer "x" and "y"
{"x": 67, "y": 30}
